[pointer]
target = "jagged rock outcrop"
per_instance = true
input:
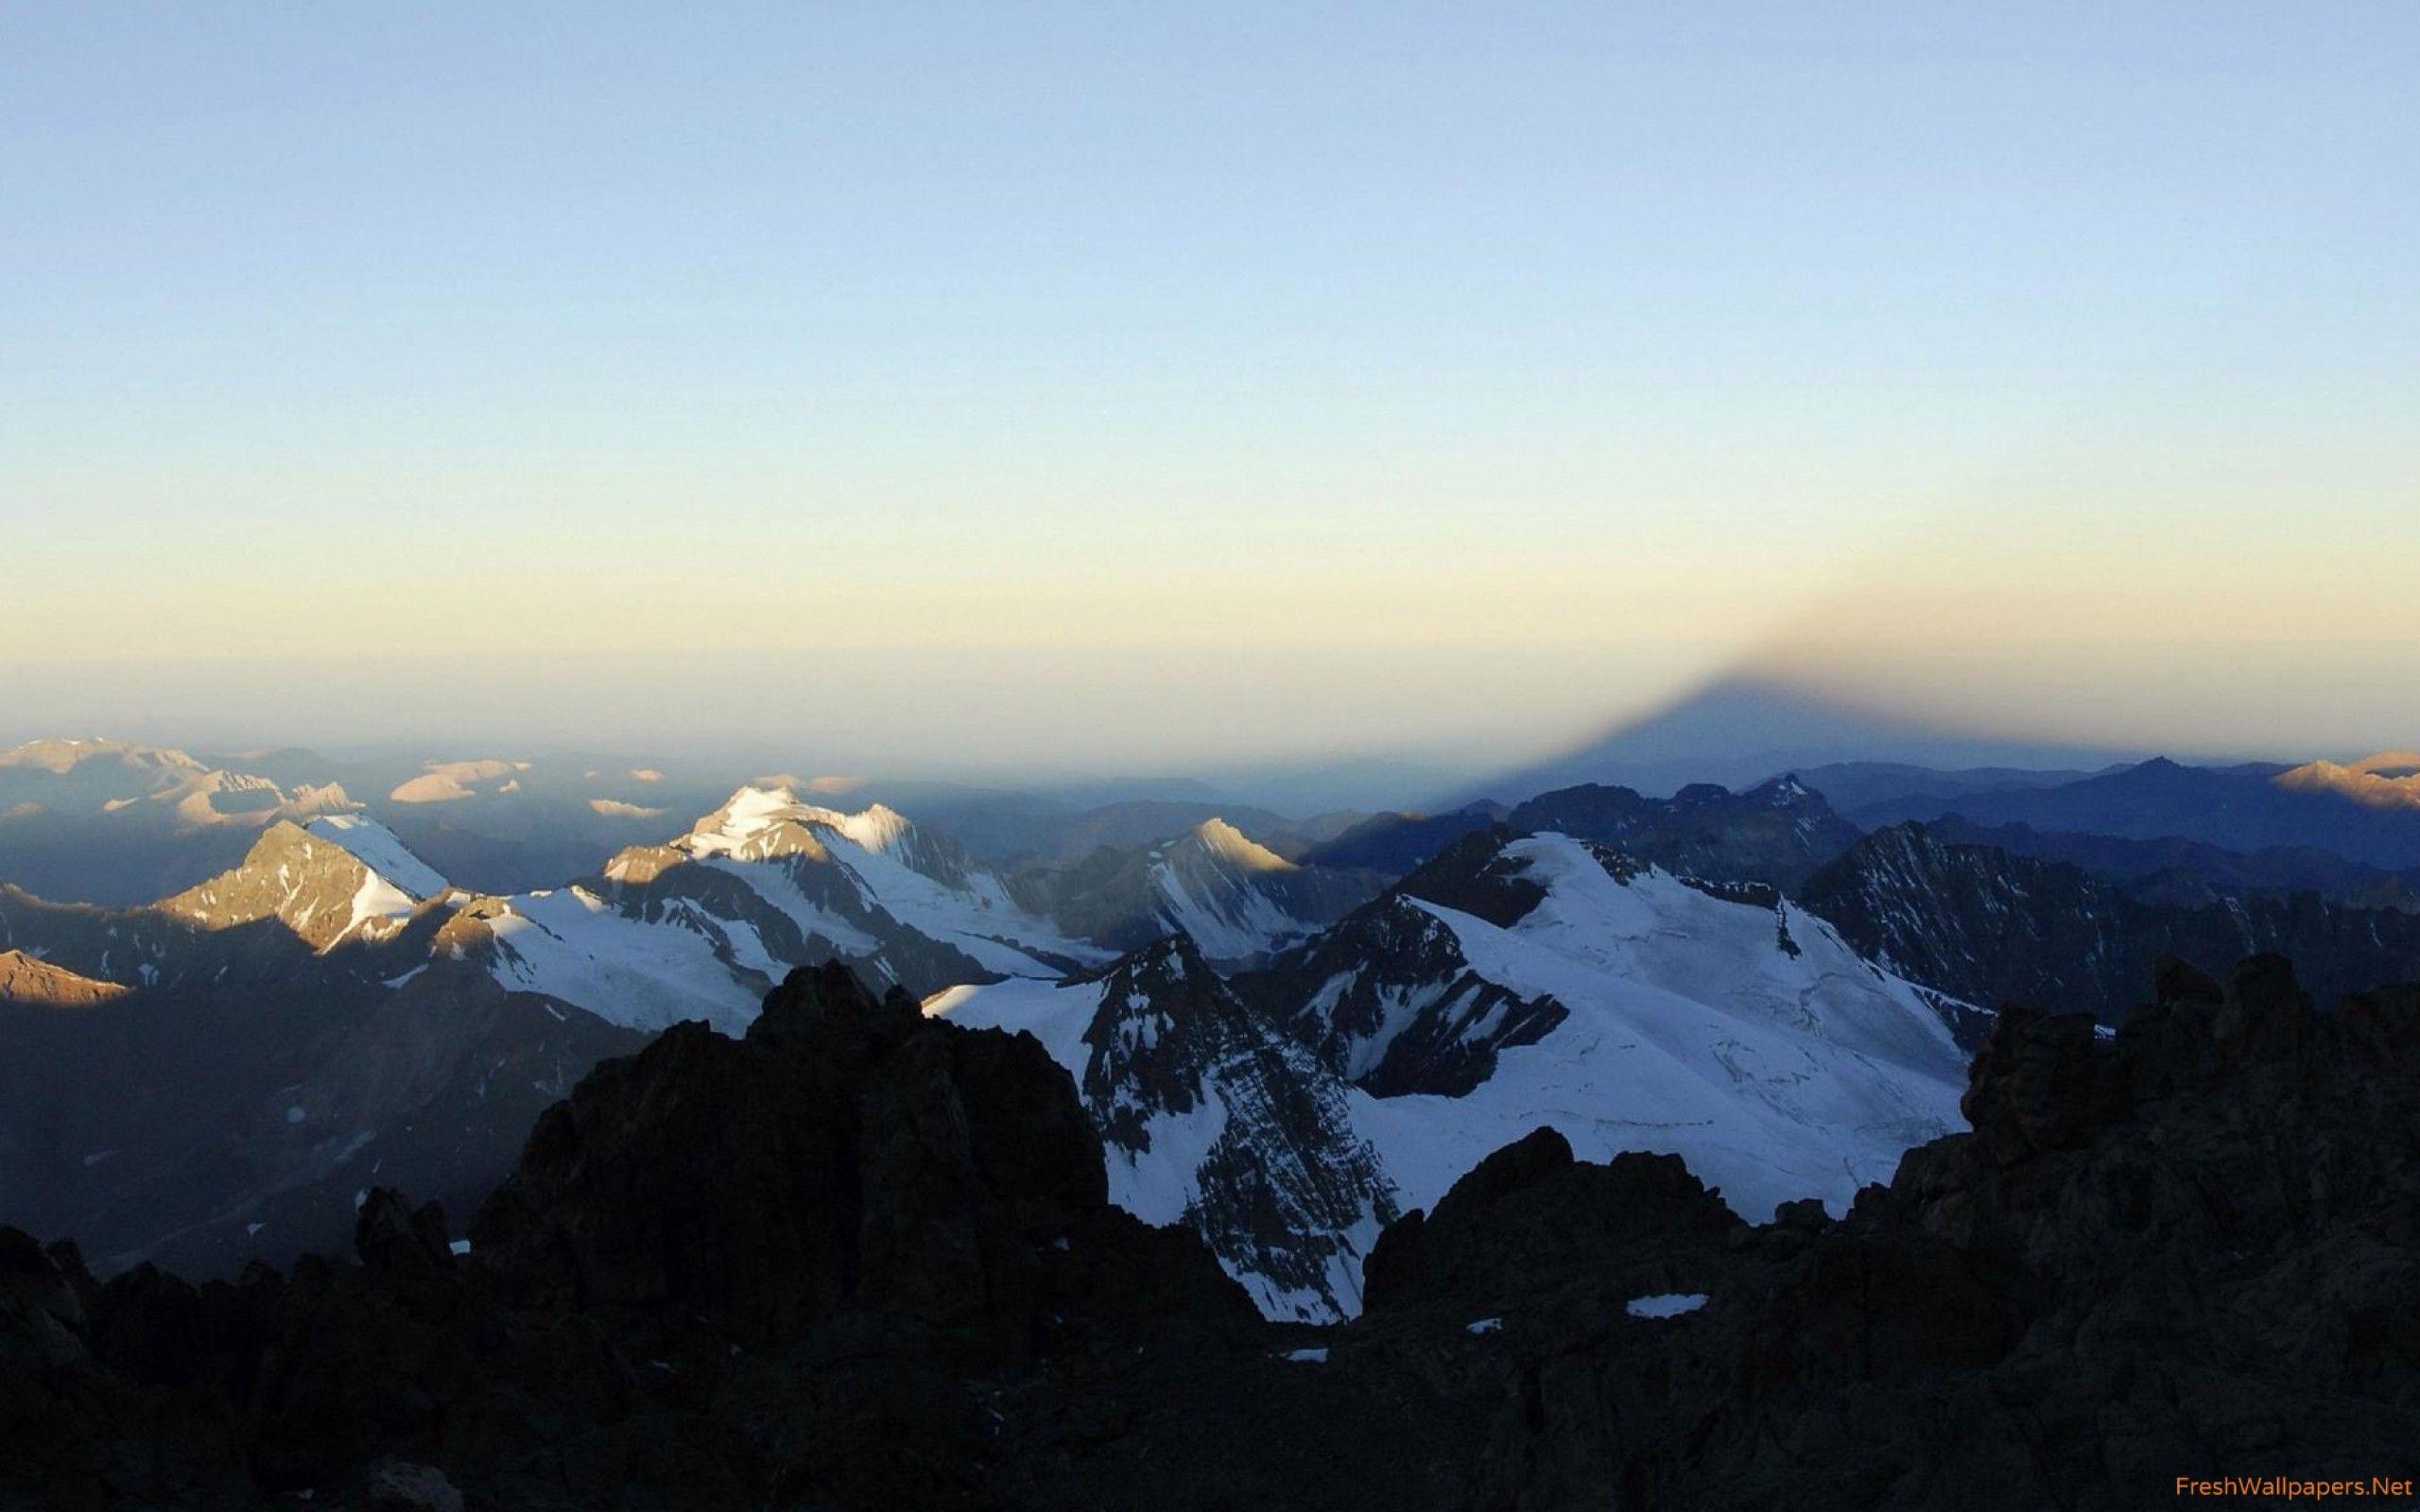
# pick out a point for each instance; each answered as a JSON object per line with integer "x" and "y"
{"x": 1210, "y": 1117}
{"x": 738, "y": 1272}
{"x": 1388, "y": 998}
{"x": 2188, "y": 1249}
{"x": 848, "y": 1154}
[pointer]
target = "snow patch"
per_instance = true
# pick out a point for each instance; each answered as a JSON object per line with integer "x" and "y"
{"x": 379, "y": 848}
{"x": 1665, "y": 1304}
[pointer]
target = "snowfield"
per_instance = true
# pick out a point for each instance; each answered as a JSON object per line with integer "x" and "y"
{"x": 896, "y": 869}
{"x": 572, "y": 946}
{"x": 1775, "y": 1073}
{"x": 1744, "y": 1037}
{"x": 378, "y": 848}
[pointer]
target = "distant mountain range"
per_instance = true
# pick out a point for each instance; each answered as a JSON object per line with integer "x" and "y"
{"x": 2364, "y": 812}
{"x": 1286, "y": 1032}
{"x": 1987, "y": 926}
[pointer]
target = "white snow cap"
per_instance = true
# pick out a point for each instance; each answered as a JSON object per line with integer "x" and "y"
{"x": 382, "y": 851}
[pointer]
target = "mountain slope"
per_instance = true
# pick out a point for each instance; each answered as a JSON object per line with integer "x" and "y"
{"x": 1990, "y": 927}
{"x": 2195, "y": 870}
{"x": 1393, "y": 844}
{"x": 703, "y": 925}
{"x": 315, "y": 882}
{"x": 1389, "y": 999}
{"x": 29, "y": 982}
{"x": 890, "y": 868}
{"x": 1235, "y": 899}
{"x": 1211, "y": 1117}
{"x": 1513, "y": 981}
{"x": 2252, "y": 807}
{"x": 1721, "y": 1025}
{"x": 1776, "y": 832}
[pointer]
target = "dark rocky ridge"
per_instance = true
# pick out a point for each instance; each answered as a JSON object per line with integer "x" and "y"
{"x": 1395, "y": 843}
{"x": 2245, "y": 808}
{"x": 1287, "y": 1179}
{"x": 2195, "y": 871}
{"x": 823, "y": 1266}
{"x": 1776, "y": 832}
{"x": 1989, "y": 926}
{"x": 1391, "y": 951}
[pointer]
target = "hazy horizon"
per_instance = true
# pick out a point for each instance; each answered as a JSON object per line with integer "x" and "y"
{"x": 1115, "y": 391}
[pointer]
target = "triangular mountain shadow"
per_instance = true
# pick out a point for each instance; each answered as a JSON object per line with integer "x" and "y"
{"x": 1740, "y": 730}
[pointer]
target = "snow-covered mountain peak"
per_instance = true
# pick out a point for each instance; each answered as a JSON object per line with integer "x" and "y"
{"x": 760, "y": 823}
{"x": 878, "y": 827}
{"x": 2387, "y": 779}
{"x": 315, "y": 884}
{"x": 379, "y": 848}
{"x": 1544, "y": 979}
{"x": 1239, "y": 899}
{"x": 1223, "y": 842}
{"x": 1782, "y": 791}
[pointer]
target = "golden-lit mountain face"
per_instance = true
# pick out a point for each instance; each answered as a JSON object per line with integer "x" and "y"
{"x": 29, "y": 982}
{"x": 2388, "y": 779}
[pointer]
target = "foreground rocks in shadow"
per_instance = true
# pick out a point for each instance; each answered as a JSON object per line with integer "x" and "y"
{"x": 859, "y": 1259}
{"x": 2190, "y": 1250}
{"x": 725, "y": 1271}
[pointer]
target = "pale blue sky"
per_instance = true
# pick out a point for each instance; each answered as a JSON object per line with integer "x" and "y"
{"x": 1230, "y": 381}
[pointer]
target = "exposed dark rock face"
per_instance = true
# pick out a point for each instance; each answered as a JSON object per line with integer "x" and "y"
{"x": 1386, "y": 999}
{"x": 1990, "y": 927}
{"x": 854, "y": 1157}
{"x": 1531, "y": 1218}
{"x": 738, "y": 1272}
{"x": 1775, "y": 832}
{"x": 860, "y": 1259}
{"x": 1285, "y": 1188}
{"x": 287, "y": 1099}
{"x": 845, "y": 1155}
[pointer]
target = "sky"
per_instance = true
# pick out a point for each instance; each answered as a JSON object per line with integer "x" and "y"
{"x": 1115, "y": 386}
